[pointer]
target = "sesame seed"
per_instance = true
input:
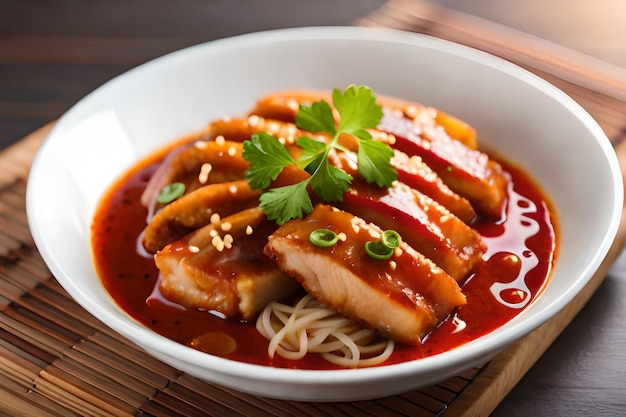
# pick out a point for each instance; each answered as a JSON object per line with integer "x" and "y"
{"x": 215, "y": 218}
{"x": 411, "y": 111}
{"x": 342, "y": 236}
{"x": 446, "y": 217}
{"x": 233, "y": 189}
{"x": 232, "y": 151}
{"x": 226, "y": 226}
{"x": 398, "y": 251}
{"x": 228, "y": 241}
{"x": 374, "y": 234}
{"x": 193, "y": 249}
{"x": 393, "y": 265}
{"x": 205, "y": 170}
{"x": 249, "y": 230}
{"x": 272, "y": 127}
{"x": 415, "y": 160}
{"x": 218, "y": 243}
{"x": 293, "y": 104}
{"x": 226, "y": 119}
{"x": 213, "y": 233}
{"x": 200, "y": 144}
{"x": 253, "y": 120}
{"x": 220, "y": 140}
{"x": 291, "y": 130}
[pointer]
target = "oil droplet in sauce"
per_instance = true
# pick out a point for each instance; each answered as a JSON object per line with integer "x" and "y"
{"x": 512, "y": 296}
{"x": 215, "y": 343}
{"x": 519, "y": 227}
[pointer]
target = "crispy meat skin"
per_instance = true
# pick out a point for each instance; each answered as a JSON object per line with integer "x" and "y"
{"x": 447, "y": 144}
{"x": 195, "y": 209}
{"x": 404, "y": 297}
{"x": 425, "y": 223}
{"x": 183, "y": 164}
{"x": 283, "y": 105}
{"x": 238, "y": 281}
{"x": 240, "y": 129}
{"x": 414, "y": 172}
{"x": 466, "y": 170}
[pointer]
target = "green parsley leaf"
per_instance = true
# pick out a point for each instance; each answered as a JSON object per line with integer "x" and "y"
{"x": 267, "y": 157}
{"x": 358, "y": 111}
{"x": 316, "y": 118}
{"x": 312, "y": 153}
{"x": 373, "y": 162}
{"x": 330, "y": 182}
{"x": 285, "y": 203}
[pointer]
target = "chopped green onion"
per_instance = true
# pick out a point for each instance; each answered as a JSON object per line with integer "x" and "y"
{"x": 171, "y": 192}
{"x": 383, "y": 248}
{"x": 323, "y": 238}
{"x": 391, "y": 239}
{"x": 378, "y": 250}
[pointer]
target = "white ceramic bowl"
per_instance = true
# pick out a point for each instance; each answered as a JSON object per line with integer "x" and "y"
{"x": 516, "y": 114}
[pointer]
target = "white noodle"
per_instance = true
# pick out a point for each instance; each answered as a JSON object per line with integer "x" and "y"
{"x": 310, "y": 327}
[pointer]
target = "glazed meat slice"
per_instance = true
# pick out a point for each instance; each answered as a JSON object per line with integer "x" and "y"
{"x": 240, "y": 129}
{"x": 426, "y": 225}
{"x": 430, "y": 116}
{"x": 414, "y": 172}
{"x": 404, "y": 296}
{"x": 199, "y": 163}
{"x": 221, "y": 267}
{"x": 194, "y": 210}
{"x": 443, "y": 142}
{"x": 468, "y": 172}
{"x": 284, "y": 106}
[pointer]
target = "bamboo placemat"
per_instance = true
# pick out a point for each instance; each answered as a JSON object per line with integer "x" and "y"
{"x": 57, "y": 360}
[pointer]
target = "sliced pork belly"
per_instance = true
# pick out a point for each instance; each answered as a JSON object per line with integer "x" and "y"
{"x": 203, "y": 162}
{"x": 426, "y": 224}
{"x": 284, "y": 106}
{"x": 468, "y": 172}
{"x": 430, "y": 116}
{"x": 221, "y": 267}
{"x": 196, "y": 209}
{"x": 404, "y": 297}
{"x": 240, "y": 129}
{"x": 415, "y": 173}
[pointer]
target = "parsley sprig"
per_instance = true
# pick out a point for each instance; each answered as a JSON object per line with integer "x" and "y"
{"x": 358, "y": 111}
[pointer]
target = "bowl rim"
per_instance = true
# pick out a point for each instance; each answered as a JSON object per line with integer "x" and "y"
{"x": 491, "y": 342}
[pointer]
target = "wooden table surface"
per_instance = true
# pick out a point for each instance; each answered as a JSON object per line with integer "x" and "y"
{"x": 54, "y": 52}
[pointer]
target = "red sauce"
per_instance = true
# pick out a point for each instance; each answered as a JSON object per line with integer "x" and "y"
{"x": 522, "y": 248}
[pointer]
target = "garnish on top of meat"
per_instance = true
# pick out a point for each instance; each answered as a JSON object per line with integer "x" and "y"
{"x": 403, "y": 297}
